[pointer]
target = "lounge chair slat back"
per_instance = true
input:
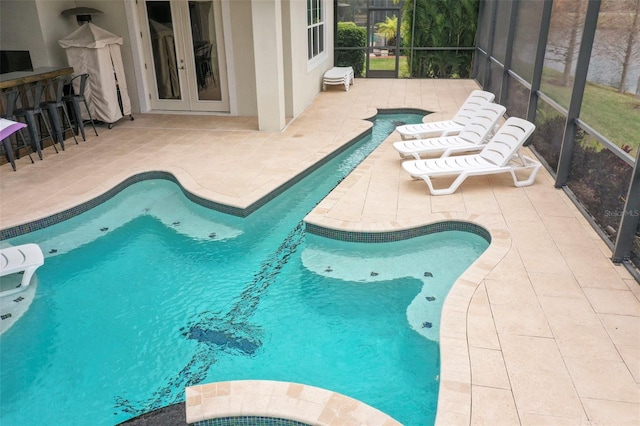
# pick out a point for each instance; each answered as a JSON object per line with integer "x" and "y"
{"x": 482, "y": 124}
{"x": 507, "y": 141}
{"x": 469, "y": 108}
{"x": 453, "y": 126}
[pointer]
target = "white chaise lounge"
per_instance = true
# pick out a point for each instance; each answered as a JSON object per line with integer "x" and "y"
{"x": 500, "y": 155}
{"x": 472, "y": 137}
{"x": 434, "y": 129}
{"x": 25, "y": 258}
{"x": 336, "y": 76}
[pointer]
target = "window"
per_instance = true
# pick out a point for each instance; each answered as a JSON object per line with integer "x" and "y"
{"x": 315, "y": 28}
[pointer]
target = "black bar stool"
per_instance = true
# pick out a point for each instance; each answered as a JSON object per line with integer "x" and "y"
{"x": 9, "y": 101}
{"x": 33, "y": 114}
{"x": 75, "y": 100}
{"x": 55, "y": 88}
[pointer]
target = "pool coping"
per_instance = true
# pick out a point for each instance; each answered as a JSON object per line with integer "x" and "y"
{"x": 455, "y": 382}
{"x": 266, "y": 398}
{"x": 556, "y": 261}
{"x": 454, "y": 398}
{"x": 454, "y": 395}
{"x": 185, "y": 183}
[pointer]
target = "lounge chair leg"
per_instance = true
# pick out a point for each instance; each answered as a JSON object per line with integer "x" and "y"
{"x": 529, "y": 180}
{"x": 448, "y": 190}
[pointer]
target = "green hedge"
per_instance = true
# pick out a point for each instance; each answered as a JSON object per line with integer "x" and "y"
{"x": 351, "y": 35}
{"x": 440, "y": 23}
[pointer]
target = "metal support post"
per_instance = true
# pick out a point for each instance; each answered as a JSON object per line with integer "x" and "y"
{"x": 580, "y": 81}
{"x": 539, "y": 62}
{"x": 630, "y": 218}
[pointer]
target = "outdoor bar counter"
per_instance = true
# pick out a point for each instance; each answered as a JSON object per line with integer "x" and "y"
{"x": 19, "y": 78}
{"x": 22, "y": 80}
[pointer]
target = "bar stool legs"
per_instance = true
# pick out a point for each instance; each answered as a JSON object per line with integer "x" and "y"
{"x": 8, "y": 149}
{"x": 9, "y": 102}
{"x": 32, "y": 115}
{"x": 53, "y": 108}
{"x": 32, "y": 127}
{"x": 75, "y": 100}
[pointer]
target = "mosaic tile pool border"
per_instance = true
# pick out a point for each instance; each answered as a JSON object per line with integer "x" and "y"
{"x": 288, "y": 184}
{"x": 249, "y": 421}
{"x": 404, "y": 111}
{"x": 25, "y": 228}
{"x": 405, "y": 234}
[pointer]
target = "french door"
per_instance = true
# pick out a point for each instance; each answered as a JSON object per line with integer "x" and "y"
{"x": 184, "y": 55}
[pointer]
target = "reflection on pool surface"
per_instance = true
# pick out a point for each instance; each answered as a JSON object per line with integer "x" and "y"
{"x": 160, "y": 300}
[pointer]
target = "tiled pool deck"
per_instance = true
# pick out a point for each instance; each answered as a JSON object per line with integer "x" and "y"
{"x": 542, "y": 329}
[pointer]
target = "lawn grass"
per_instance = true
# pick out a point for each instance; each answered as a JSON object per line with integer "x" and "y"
{"x": 388, "y": 63}
{"x": 615, "y": 115}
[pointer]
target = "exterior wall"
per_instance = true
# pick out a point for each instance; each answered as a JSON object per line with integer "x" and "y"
{"x": 35, "y": 26}
{"x": 54, "y": 26}
{"x": 305, "y": 80}
{"x": 269, "y": 56}
{"x": 244, "y": 62}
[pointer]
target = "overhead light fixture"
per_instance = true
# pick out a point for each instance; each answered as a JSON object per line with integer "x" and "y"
{"x": 82, "y": 14}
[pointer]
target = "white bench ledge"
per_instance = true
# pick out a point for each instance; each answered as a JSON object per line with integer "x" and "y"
{"x": 25, "y": 258}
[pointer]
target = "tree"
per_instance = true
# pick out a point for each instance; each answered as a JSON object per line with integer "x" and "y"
{"x": 631, "y": 51}
{"x": 440, "y": 23}
{"x": 388, "y": 29}
{"x": 567, "y": 22}
{"x": 618, "y": 35}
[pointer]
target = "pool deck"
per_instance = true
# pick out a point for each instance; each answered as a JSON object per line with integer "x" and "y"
{"x": 541, "y": 329}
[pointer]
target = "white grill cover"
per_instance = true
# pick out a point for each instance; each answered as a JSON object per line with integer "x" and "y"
{"x": 95, "y": 51}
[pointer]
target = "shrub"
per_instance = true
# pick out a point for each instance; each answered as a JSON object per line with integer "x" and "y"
{"x": 351, "y": 35}
{"x": 440, "y": 23}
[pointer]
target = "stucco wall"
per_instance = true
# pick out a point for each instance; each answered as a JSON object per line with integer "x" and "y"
{"x": 244, "y": 63}
{"x": 37, "y": 25}
{"x": 54, "y": 26}
{"x": 34, "y": 25}
{"x": 306, "y": 82}
{"x": 301, "y": 84}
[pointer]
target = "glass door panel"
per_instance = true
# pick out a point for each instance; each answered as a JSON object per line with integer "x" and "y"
{"x": 205, "y": 50}
{"x": 160, "y": 22}
{"x": 185, "y": 50}
{"x": 382, "y": 48}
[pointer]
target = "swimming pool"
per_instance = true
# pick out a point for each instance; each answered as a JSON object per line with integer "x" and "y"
{"x": 225, "y": 298}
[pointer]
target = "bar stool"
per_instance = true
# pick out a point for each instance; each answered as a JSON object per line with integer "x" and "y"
{"x": 54, "y": 106}
{"x": 75, "y": 100}
{"x": 9, "y": 101}
{"x": 32, "y": 113}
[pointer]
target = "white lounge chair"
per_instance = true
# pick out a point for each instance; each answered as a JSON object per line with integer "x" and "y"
{"x": 434, "y": 129}
{"x": 471, "y": 138}
{"x": 338, "y": 75}
{"x": 25, "y": 258}
{"x": 499, "y": 155}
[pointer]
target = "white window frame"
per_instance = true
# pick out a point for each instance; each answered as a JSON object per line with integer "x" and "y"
{"x": 316, "y": 32}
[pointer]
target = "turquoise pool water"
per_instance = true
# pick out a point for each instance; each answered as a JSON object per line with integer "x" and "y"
{"x": 149, "y": 293}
